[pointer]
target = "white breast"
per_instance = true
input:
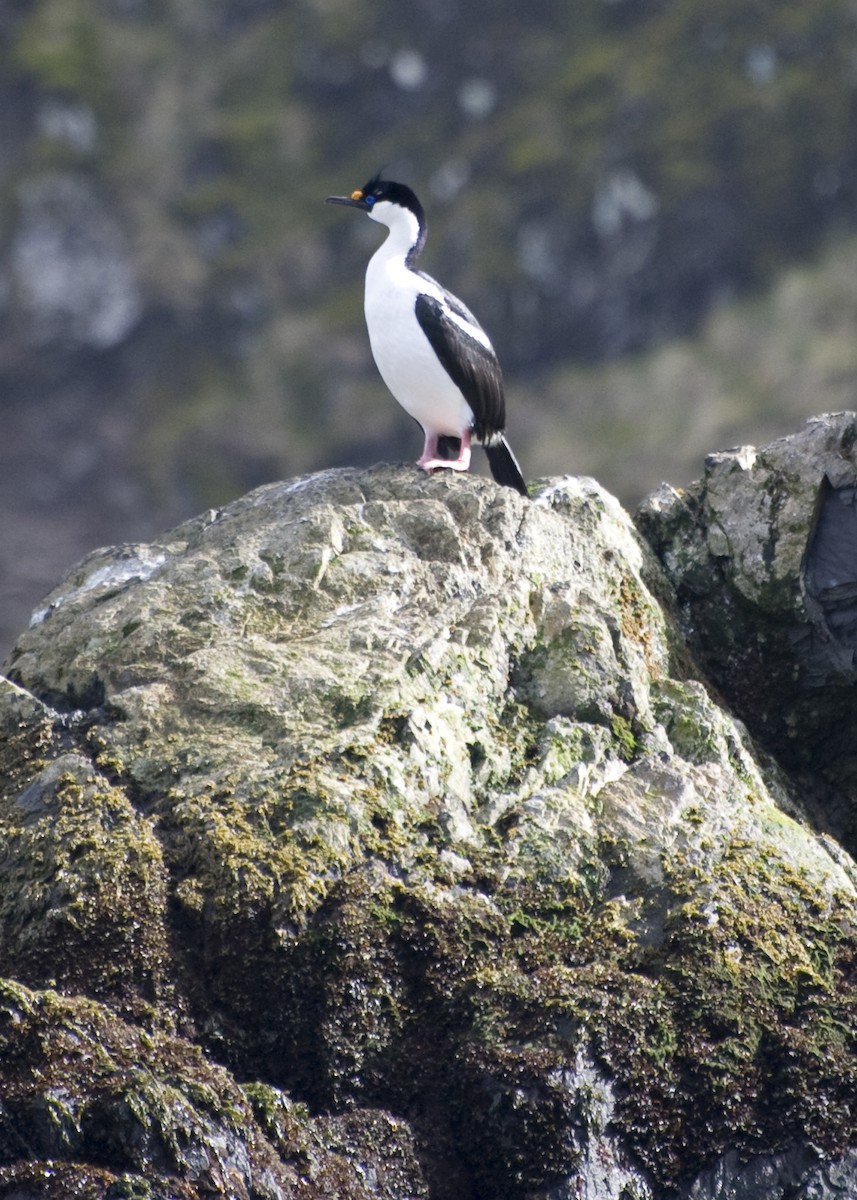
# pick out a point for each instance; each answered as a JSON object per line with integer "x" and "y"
{"x": 403, "y": 354}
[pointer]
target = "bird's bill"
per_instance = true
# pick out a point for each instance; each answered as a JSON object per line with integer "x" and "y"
{"x": 355, "y": 200}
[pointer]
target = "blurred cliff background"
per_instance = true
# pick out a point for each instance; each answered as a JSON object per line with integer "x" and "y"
{"x": 651, "y": 206}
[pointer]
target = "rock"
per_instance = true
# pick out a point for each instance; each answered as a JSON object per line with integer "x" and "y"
{"x": 402, "y": 802}
{"x": 762, "y": 552}
{"x": 798, "y": 1174}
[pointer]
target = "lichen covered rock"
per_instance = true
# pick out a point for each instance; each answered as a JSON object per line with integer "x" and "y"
{"x": 401, "y": 802}
{"x": 762, "y": 552}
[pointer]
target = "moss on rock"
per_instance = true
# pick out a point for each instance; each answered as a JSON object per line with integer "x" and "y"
{"x": 436, "y": 838}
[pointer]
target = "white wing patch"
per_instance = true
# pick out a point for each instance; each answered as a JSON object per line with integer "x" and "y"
{"x": 468, "y": 327}
{"x": 456, "y": 311}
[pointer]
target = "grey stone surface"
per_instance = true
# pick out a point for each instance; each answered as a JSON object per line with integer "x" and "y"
{"x": 761, "y": 552}
{"x": 403, "y": 802}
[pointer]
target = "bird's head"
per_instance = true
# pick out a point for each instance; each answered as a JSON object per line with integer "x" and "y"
{"x": 384, "y": 201}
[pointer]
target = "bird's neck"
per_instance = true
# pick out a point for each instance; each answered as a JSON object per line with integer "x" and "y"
{"x": 405, "y": 240}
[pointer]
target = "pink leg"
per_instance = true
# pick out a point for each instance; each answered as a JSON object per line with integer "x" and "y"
{"x": 429, "y": 450}
{"x": 429, "y": 461}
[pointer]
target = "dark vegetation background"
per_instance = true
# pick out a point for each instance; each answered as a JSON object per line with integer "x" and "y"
{"x": 649, "y": 205}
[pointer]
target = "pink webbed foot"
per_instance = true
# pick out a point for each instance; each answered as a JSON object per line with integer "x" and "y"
{"x": 429, "y": 461}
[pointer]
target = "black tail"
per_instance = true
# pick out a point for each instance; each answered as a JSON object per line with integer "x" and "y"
{"x": 504, "y": 466}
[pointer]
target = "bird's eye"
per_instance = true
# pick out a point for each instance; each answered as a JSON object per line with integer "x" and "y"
{"x": 370, "y": 200}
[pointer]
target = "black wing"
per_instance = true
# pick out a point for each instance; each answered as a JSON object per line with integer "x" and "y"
{"x": 471, "y": 366}
{"x": 452, "y": 302}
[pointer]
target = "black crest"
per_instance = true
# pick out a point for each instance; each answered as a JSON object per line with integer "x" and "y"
{"x": 396, "y": 193}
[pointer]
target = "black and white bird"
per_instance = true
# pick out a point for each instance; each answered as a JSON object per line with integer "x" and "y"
{"x": 432, "y": 353}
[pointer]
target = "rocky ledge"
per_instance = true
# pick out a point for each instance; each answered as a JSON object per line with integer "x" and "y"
{"x": 390, "y": 837}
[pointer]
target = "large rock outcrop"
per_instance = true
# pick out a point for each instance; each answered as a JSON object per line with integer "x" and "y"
{"x": 379, "y": 836}
{"x": 762, "y": 552}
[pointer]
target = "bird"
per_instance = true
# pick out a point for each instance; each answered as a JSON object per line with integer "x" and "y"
{"x": 429, "y": 348}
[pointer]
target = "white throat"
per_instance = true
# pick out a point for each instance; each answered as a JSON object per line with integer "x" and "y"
{"x": 403, "y": 226}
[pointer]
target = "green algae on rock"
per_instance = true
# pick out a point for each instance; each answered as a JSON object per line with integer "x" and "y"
{"x": 401, "y": 801}
{"x": 775, "y": 636}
